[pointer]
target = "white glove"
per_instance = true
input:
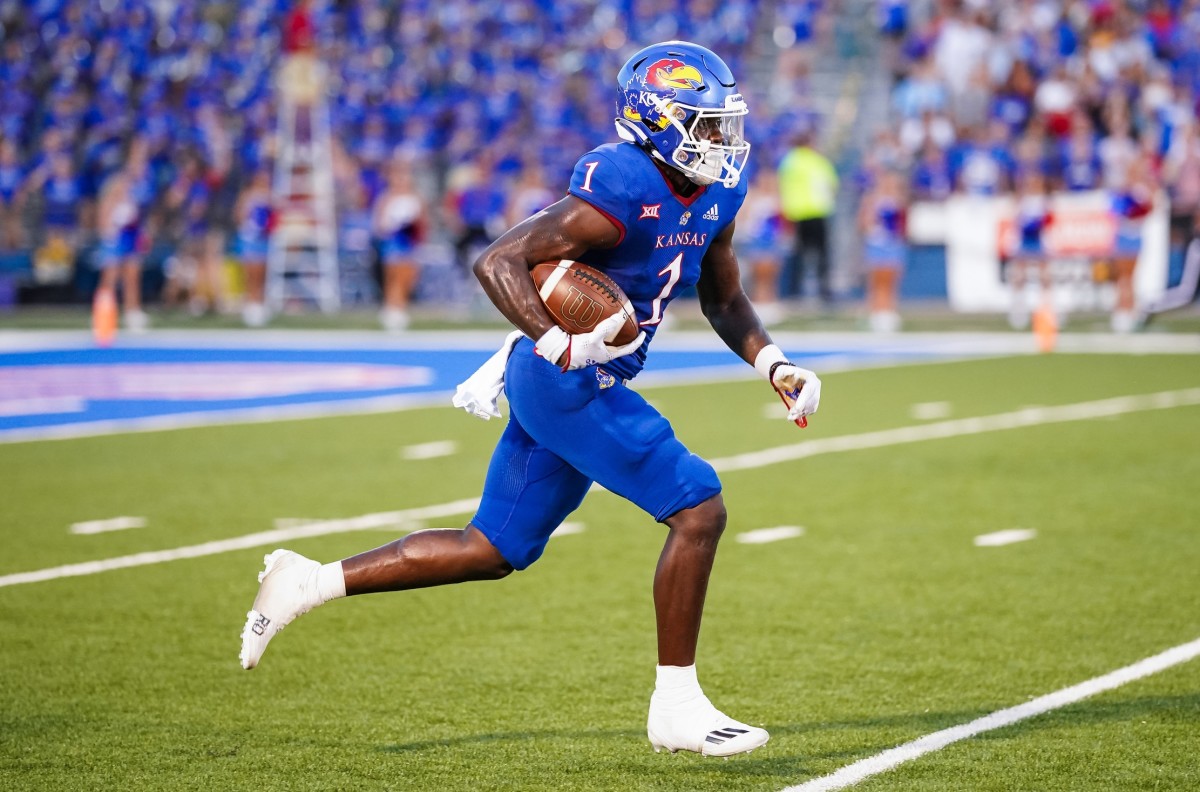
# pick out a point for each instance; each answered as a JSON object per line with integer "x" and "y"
{"x": 799, "y": 388}
{"x": 586, "y": 349}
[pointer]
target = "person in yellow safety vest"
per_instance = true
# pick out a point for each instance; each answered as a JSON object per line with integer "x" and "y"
{"x": 808, "y": 185}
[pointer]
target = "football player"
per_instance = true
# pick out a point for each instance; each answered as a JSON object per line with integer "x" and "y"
{"x": 654, "y": 212}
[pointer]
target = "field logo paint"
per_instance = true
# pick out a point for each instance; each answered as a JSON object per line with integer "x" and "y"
{"x": 197, "y": 381}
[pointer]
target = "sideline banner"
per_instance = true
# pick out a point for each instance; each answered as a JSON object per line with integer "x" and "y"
{"x": 976, "y": 229}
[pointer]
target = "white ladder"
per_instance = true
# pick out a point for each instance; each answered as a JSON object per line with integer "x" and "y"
{"x": 302, "y": 264}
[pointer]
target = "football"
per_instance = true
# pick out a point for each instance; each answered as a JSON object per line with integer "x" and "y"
{"x": 579, "y": 297}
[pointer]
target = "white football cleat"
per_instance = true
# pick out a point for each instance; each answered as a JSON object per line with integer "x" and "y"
{"x": 283, "y": 595}
{"x": 701, "y": 728}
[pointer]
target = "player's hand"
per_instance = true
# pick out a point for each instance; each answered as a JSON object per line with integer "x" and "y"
{"x": 800, "y": 390}
{"x": 586, "y": 349}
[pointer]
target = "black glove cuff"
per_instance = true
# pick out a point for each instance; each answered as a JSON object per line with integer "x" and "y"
{"x": 775, "y": 365}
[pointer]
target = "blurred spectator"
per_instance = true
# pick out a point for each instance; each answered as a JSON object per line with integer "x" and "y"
{"x": 1079, "y": 166}
{"x": 1027, "y": 263}
{"x": 530, "y": 194}
{"x": 881, "y": 221}
{"x": 475, "y": 207}
{"x": 61, "y": 192}
{"x": 1132, "y": 200}
{"x": 397, "y": 222}
{"x": 982, "y": 163}
{"x": 1117, "y": 150}
{"x": 761, "y": 244}
{"x": 254, "y": 219}
{"x": 12, "y": 178}
{"x": 929, "y": 127}
{"x": 920, "y": 92}
{"x": 932, "y": 180}
{"x": 121, "y": 245}
{"x": 194, "y": 274}
{"x": 808, "y": 185}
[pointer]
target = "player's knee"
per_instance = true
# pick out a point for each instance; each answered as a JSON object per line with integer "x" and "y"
{"x": 487, "y": 561}
{"x": 703, "y": 523}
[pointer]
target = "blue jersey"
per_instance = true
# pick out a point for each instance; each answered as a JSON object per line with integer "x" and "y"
{"x": 664, "y": 236}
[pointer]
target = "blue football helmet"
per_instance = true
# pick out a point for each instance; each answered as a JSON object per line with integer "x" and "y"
{"x": 680, "y": 102}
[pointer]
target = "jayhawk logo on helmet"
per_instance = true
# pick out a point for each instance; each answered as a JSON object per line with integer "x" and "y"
{"x": 661, "y": 78}
{"x": 670, "y": 73}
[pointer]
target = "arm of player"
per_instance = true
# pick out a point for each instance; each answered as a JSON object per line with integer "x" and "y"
{"x": 731, "y": 315}
{"x": 564, "y": 230}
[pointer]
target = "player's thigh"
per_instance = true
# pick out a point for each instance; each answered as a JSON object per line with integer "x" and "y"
{"x": 528, "y": 492}
{"x": 611, "y": 435}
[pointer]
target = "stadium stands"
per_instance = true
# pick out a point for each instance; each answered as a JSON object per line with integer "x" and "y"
{"x": 450, "y": 84}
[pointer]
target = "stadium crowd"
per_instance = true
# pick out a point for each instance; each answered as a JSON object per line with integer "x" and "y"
{"x": 1041, "y": 96}
{"x": 179, "y": 96}
{"x": 486, "y": 105}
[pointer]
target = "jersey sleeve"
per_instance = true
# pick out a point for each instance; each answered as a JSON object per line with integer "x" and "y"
{"x": 599, "y": 181}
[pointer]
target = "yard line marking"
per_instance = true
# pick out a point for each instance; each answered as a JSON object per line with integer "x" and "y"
{"x": 910, "y": 434}
{"x": 292, "y": 522}
{"x": 1032, "y": 416}
{"x": 930, "y": 411}
{"x": 111, "y": 524}
{"x": 438, "y": 448}
{"x": 773, "y": 411}
{"x": 1001, "y": 538}
{"x": 765, "y": 535}
{"x": 361, "y": 523}
{"x": 865, "y": 768}
{"x": 568, "y": 529}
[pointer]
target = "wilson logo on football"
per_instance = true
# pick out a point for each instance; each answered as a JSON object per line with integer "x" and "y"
{"x": 580, "y": 309}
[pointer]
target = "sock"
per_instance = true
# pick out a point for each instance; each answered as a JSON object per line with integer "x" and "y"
{"x": 677, "y": 686}
{"x": 331, "y": 583}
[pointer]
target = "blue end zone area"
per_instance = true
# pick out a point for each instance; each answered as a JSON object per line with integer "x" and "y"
{"x": 82, "y": 390}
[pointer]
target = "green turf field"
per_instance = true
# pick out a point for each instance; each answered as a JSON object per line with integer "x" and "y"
{"x": 882, "y": 623}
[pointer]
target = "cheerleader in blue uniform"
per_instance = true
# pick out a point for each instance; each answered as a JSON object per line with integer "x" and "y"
{"x": 761, "y": 244}
{"x": 124, "y": 205}
{"x": 1029, "y": 259}
{"x": 882, "y": 218}
{"x": 1130, "y": 204}
{"x": 253, "y": 216}
{"x": 397, "y": 221}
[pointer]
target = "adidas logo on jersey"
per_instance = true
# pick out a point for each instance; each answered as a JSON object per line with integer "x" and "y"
{"x": 711, "y": 214}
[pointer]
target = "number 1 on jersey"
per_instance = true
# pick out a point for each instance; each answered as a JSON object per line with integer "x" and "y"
{"x": 672, "y": 271}
{"x": 587, "y": 180}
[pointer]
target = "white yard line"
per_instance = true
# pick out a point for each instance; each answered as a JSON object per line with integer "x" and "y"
{"x": 865, "y": 768}
{"x": 959, "y": 427}
{"x": 909, "y": 434}
{"x": 930, "y": 411}
{"x": 1001, "y": 538}
{"x": 363, "y": 522}
{"x": 438, "y": 448}
{"x": 568, "y": 529}
{"x": 767, "y": 535}
{"x": 111, "y": 524}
